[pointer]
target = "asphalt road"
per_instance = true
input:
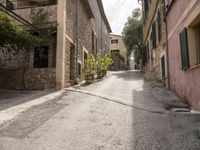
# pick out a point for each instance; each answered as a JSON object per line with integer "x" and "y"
{"x": 121, "y": 112}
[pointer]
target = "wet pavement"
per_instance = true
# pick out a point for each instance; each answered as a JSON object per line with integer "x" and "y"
{"x": 120, "y": 112}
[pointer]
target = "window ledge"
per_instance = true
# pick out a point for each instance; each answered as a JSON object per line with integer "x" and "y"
{"x": 193, "y": 67}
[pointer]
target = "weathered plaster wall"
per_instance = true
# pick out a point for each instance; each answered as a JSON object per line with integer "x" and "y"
{"x": 184, "y": 83}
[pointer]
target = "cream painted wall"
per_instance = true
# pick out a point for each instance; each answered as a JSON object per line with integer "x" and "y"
{"x": 120, "y": 45}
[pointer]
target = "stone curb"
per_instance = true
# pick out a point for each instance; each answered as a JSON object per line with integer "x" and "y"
{"x": 119, "y": 101}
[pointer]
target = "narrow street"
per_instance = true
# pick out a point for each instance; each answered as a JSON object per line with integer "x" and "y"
{"x": 121, "y": 112}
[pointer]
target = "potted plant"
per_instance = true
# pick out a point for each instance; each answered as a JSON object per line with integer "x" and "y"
{"x": 89, "y": 70}
{"x": 102, "y": 64}
{"x": 108, "y": 61}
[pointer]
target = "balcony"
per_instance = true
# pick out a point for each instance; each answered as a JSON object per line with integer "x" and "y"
{"x": 20, "y": 4}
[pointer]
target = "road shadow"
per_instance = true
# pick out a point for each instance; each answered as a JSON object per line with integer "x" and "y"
{"x": 32, "y": 119}
{"x": 162, "y": 130}
{"x": 9, "y": 98}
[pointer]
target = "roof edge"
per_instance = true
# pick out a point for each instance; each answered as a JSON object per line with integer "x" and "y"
{"x": 104, "y": 15}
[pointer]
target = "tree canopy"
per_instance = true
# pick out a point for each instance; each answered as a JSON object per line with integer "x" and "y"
{"x": 14, "y": 37}
{"x": 133, "y": 32}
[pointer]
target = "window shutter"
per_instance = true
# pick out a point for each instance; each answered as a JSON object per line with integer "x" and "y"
{"x": 146, "y": 6}
{"x": 147, "y": 49}
{"x": 144, "y": 55}
{"x": 159, "y": 26}
{"x": 184, "y": 49}
{"x": 93, "y": 42}
{"x": 154, "y": 35}
{"x": 79, "y": 69}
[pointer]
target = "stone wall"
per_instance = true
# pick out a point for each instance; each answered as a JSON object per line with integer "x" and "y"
{"x": 40, "y": 79}
{"x": 79, "y": 27}
{"x": 25, "y": 12}
{"x": 11, "y": 79}
{"x": 35, "y": 79}
{"x": 67, "y": 64}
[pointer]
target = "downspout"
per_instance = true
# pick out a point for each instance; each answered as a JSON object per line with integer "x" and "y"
{"x": 77, "y": 40}
{"x": 101, "y": 36}
{"x": 167, "y": 49}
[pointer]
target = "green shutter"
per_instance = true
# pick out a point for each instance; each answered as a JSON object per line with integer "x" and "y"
{"x": 154, "y": 35}
{"x": 184, "y": 49}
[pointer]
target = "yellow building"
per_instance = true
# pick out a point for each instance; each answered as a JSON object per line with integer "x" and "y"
{"x": 119, "y": 51}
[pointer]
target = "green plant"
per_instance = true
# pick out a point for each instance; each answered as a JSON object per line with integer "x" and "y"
{"x": 89, "y": 68}
{"x": 13, "y": 37}
{"x": 103, "y": 62}
{"x": 108, "y": 60}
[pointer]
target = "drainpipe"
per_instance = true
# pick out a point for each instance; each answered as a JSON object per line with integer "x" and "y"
{"x": 167, "y": 52}
{"x": 77, "y": 39}
{"x": 101, "y": 36}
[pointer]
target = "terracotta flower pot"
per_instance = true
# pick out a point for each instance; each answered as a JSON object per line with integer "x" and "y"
{"x": 100, "y": 74}
{"x": 104, "y": 72}
{"x": 89, "y": 79}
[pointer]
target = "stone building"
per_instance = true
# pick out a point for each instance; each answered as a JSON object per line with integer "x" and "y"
{"x": 154, "y": 31}
{"x": 119, "y": 52}
{"x": 82, "y": 29}
{"x": 183, "y": 25}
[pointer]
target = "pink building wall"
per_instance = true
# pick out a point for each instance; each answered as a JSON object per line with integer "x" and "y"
{"x": 184, "y": 83}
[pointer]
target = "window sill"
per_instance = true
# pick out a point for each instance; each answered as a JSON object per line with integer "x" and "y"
{"x": 194, "y": 67}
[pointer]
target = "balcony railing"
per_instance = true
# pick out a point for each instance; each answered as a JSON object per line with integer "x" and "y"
{"x": 20, "y": 4}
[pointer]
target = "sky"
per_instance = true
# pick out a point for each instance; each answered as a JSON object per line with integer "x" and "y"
{"x": 118, "y": 11}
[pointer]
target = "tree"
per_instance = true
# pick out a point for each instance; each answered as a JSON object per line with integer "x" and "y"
{"x": 132, "y": 31}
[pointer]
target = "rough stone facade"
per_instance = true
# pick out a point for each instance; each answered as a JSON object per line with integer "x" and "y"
{"x": 83, "y": 18}
{"x": 34, "y": 79}
{"x": 40, "y": 79}
{"x": 155, "y": 42}
{"x": 76, "y": 21}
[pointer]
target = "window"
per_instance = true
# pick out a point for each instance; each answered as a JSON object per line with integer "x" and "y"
{"x": 94, "y": 43}
{"x": 198, "y": 42}
{"x": 114, "y": 41}
{"x": 147, "y": 47}
{"x": 85, "y": 57}
{"x": 115, "y": 52}
{"x": 144, "y": 55}
{"x": 163, "y": 67}
{"x": 159, "y": 25}
{"x": 154, "y": 35}
{"x": 79, "y": 69}
{"x": 9, "y": 5}
{"x": 52, "y": 2}
{"x": 146, "y": 6}
{"x": 41, "y": 57}
{"x": 184, "y": 49}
